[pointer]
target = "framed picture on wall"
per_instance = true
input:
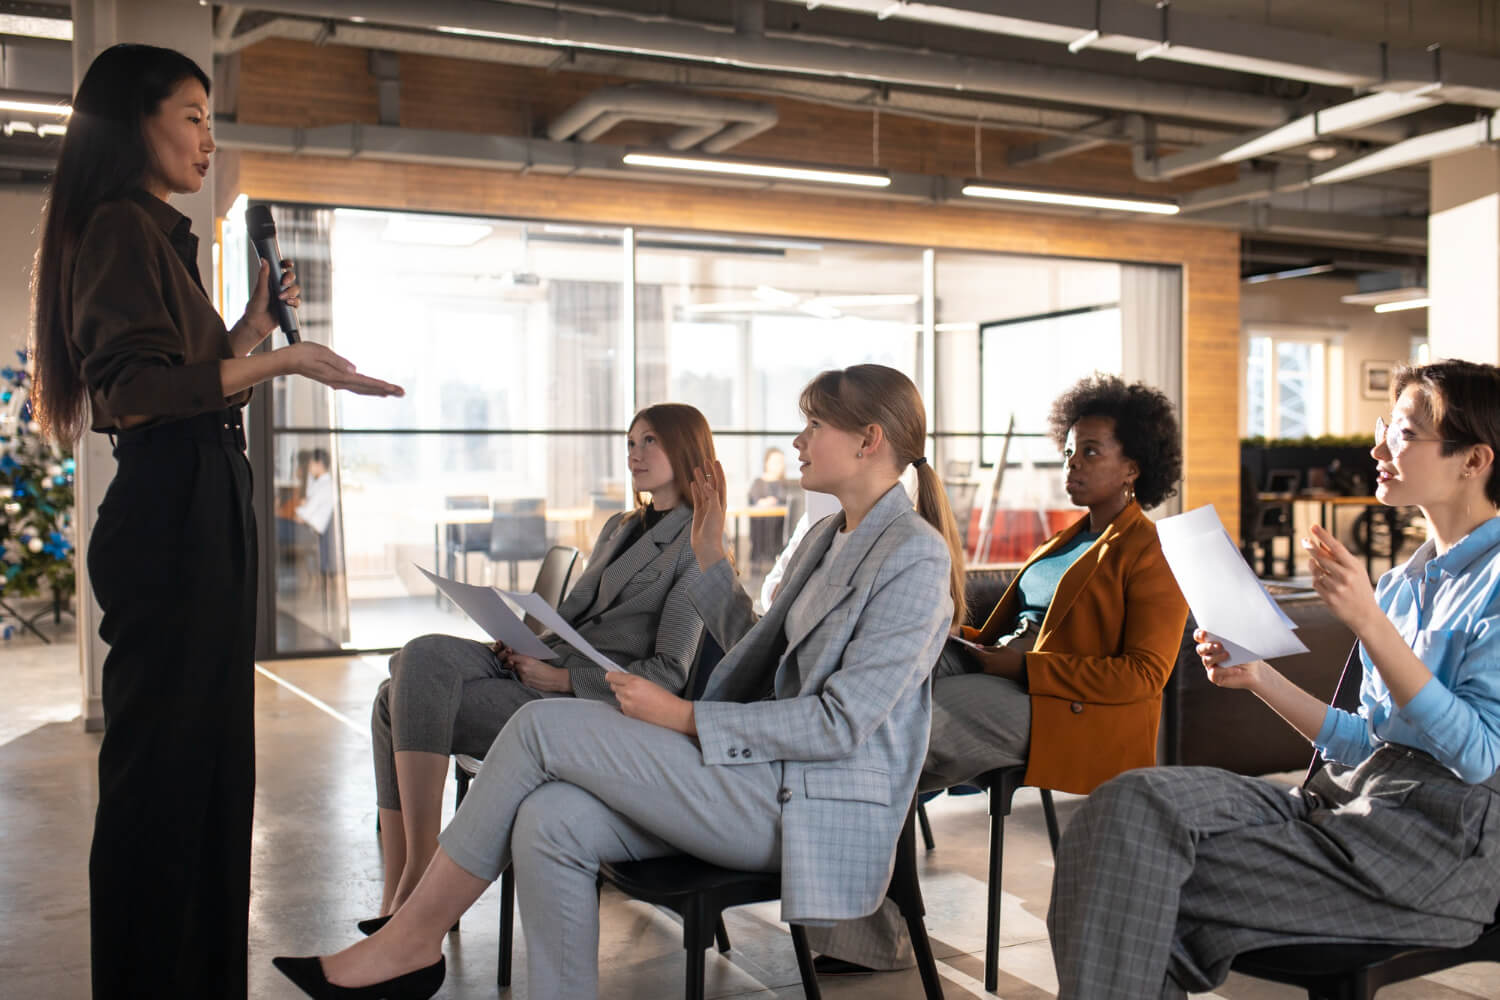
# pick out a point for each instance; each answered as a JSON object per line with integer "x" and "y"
{"x": 1375, "y": 379}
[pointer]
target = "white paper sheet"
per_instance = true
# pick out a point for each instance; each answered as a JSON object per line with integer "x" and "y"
{"x": 537, "y": 607}
{"x": 490, "y": 612}
{"x": 1221, "y": 589}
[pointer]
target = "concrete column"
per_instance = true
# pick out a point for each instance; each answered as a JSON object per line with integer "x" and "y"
{"x": 1463, "y": 257}
{"x": 187, "y": 26}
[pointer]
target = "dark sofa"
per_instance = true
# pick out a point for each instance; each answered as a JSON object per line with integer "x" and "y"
{"x": 1218, "y": 727}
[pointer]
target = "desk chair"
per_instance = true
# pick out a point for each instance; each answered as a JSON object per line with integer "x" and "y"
{"x": 1001, "y": 784}
{"x": 518, "y": 533}
{"x": 1357, "y": 971}
{"x": 461, "y": 539}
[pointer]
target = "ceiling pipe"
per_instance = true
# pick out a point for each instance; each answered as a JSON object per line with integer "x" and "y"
{"x": 702, "y": 43}
{"x": 726, "y": 122}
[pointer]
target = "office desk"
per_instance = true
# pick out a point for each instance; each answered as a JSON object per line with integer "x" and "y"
{"x": 768, "y": 510}
{"x": 1328, "y": 517}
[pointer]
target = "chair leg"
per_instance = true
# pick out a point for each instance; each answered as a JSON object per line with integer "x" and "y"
{"x": 695, "y": 941}
{"x": 932, "y": 984}
{"x": 992, "y": 917}
{"x": 507, "y": 924}
{"x": 1050, "y": 813}
{"x": 805, "y": 964}
{"x": 721, "y": 935}
{"x": 926, "y": 826}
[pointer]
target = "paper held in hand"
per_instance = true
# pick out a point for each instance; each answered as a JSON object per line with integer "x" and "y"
{"x": 1222, "y": 591}
{"x": 489, "y": 608}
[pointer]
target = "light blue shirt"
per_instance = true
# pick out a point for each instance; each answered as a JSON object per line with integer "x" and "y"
{"x": 1447, "y": 608}
{"x": 1038, "y": 583}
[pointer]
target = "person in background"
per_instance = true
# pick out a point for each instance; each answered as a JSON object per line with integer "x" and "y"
{"x": 768, "y": 490}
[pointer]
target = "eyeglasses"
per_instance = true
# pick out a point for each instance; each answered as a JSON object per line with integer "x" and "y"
{"x": 1394, "y": 442}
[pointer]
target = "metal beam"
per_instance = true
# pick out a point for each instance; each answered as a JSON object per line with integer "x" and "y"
{"x": 705, "y": 43}
{"x": 1109, "y": 131}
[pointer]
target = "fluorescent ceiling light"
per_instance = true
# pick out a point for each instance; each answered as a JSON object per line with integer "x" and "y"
{"x": 35, "y": 107}
{"x": 1291, "y": 272}
{"x": 1390, "y": 307}
{"x": 53, "y": 129}
{"x": 1040, "y": 196}
{"x": 1419, "y": 149}
{"x": 1385, "y": 296}
{"x": 58, "y": 28}
{"x": 750, "y": 168}
{"x": 1344, "y": 117}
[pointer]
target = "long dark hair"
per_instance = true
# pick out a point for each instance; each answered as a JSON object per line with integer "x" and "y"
{"x": 104, "y": 156}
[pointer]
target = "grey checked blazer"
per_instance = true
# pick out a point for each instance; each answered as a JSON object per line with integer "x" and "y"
{"x": 845, "y": 706}
{"x": 632, "y": 604}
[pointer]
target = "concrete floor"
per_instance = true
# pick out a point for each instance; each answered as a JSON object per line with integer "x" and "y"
{"x": 317, "y": 863}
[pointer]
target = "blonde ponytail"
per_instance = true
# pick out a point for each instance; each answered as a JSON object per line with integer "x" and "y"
{"x": 932, "y": 504}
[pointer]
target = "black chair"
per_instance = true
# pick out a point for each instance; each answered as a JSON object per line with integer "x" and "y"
{"x": 518, "y": 533}
{"x": 700, "y": 892}
{"x": 1261, "y": 523}
{"x": 1001, "y": 784}
{"x": 552, "y": 579}
{"x": 1358, "y": 971}
{"x": 466, "y": 767}
{"x": 461, "y": 539}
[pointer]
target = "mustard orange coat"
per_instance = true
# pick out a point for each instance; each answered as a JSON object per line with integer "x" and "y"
{"x": 1105, "y": 650}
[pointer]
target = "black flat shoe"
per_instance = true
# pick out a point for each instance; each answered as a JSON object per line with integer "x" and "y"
{"x": 307, "y": 974}
{"x": 827, "y": 965}
{"x": 370, "y": 926}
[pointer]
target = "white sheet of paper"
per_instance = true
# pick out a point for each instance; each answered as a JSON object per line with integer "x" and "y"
{"x": 537, "y": 607}
{"x": 490, "y": 612}
{"x": 1222, "y": 590}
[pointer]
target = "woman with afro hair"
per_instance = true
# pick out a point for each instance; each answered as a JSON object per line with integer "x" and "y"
{"x": 1066, "y": 674}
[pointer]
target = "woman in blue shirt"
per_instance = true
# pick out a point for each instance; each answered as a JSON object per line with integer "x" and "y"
{"x": 1166, "y": 874}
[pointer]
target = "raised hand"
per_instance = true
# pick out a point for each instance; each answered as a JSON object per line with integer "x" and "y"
{"x": 709, "y": 504}
{"x": 322, "y": 365}
{"x": 1340, "y": 579}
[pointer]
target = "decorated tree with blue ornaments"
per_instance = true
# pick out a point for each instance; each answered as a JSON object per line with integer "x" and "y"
{"x": 36, "y": 502}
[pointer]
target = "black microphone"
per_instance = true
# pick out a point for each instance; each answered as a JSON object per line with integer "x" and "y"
{"x": 262, "y": 231}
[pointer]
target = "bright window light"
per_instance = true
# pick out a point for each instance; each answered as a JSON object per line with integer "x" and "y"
{"x": 748, "y": 168}
{"x": 1038, "y": 196}
{"x": 1390, "y": 307}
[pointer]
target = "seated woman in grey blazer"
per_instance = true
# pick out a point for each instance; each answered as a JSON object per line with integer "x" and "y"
{"x": 802, "y": 756}
{"x": 450, "y": 695}
{"x": 1166, "y": 874}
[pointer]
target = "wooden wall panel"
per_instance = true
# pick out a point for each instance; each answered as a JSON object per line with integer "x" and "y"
{"x": 1209, "y": 257}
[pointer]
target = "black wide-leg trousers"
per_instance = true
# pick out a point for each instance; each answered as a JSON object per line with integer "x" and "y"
{"x": 173, "y": 564}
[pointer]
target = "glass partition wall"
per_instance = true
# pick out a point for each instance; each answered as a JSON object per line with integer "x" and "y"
{"x": 524, "y": 348}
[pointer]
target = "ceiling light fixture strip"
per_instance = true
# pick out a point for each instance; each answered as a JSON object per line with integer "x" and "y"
{"x": 752, "y": 168}
{"x": 1071, "y": 199}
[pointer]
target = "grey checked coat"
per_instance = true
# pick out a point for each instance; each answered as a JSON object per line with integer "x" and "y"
{"x": 633, "y": 606}
{"x": 844, "y": 706}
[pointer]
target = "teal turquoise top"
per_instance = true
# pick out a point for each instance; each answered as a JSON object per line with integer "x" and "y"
{"x": 1039, "y": 580}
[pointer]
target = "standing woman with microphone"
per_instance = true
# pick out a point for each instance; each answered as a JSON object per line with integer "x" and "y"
{"x": 127, "y": 342}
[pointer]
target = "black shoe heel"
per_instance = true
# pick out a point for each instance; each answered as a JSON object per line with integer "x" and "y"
{"x": 307, "y": 974}
{"x": 370, "y": 926}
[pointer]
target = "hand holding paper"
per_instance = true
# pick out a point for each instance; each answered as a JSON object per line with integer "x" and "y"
{"x": 1222, "y": 591}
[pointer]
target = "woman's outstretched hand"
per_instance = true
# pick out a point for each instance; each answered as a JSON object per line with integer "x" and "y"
{"x": 322, "y": 365}
{"x": 1341, "y": 580}
{"x": 709, "y": 504}
{"x": 650, "y": 702}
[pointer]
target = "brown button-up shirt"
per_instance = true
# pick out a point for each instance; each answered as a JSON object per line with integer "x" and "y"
{"x": 145, "y": 334}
